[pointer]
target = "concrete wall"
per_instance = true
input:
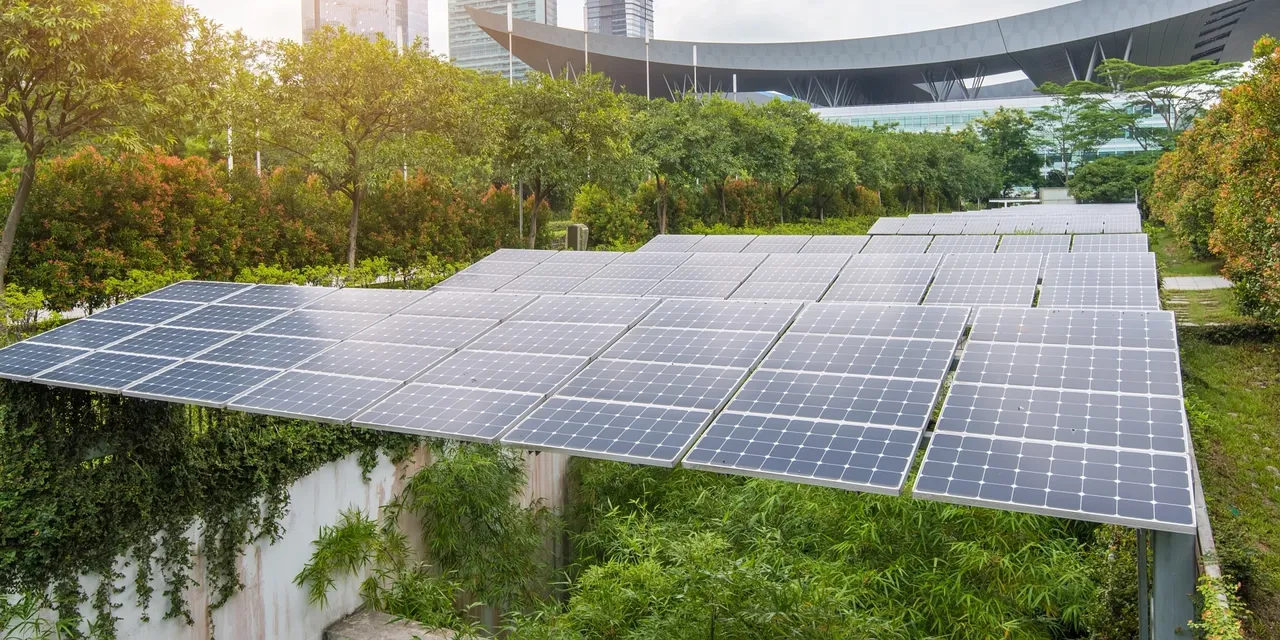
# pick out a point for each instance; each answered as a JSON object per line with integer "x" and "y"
{"x": 1056, "y": 195}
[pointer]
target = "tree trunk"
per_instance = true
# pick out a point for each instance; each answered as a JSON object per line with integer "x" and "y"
{"x": 724, "y": 209}
{"x": 357, "y": 197}
{"x": 533, "y": 215}
{"x": 662, "y": 207}
{"x": 27, "y": 179}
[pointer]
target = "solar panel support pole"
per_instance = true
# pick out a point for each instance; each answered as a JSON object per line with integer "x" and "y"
{"x": 1173, "y": 596}
{"x": 1144, "y": 599}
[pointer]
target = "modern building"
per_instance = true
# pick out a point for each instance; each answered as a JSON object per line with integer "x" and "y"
{"x": 472, "y": 47}
{"x": 401, "y": 21}
{"x": 1059, "y": 43}
{"x": 629, "y": 18}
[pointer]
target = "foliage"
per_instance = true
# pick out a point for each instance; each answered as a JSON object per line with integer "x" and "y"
{"x": 1219, "y": 622}
{"x": 1009, "y": 137}
{"x": 1075, "y": 124}
{"x": 21, "y": 308}
{"x": 1113, "y": 178}
{"x": 612, "y": 221}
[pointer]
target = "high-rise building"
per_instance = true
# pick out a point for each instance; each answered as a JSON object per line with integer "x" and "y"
{"x": 471, "y": 48}
{"x": 631, "y": 18}
{"x": 401, "y": 21}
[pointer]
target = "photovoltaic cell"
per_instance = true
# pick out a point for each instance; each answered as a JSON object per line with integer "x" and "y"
{"x": 25, "y": 359}
{"x": 1080, "y": 327}
{"x": 1034, "y": 244}
{"x": 835, "y": 244}
{"x": 197, "y": 291}
{"x": 583, "y": 257}
{"x": 787, "y": 262}
{"x": 1101, "y": 277}
{"x": 623, "y": 311}
{"x": 1137, "y": 371}
{"x": 724, "y": 316}
{"x": 635, "y": 271}
{"x": 993, "y": 261}
{"x": 948, "y": 225}
{"x": 980, "y": 227}
{"x": 551, "y": 269}
{"x": 477, "y": 415}
{"x": 692, "y": 346}
{"x": 710, "y": 273}
{"x": 724, "y": 260}
{"x": 87, "y": 334}
{"x": 220, "y": 317}
{"x": 464, "y": 304}
{"x": 171, "y": 342}
{"x": 897, "y": 244}
{"x": 796, "y": 291}
{"x": 1100, "y": 261}
{"x": 612, "y": 431}
{"x": 612, "y": 287}
{"x": 864, "y": 400}
{"x": 1106, "y": 297}
{"x": 144, "y": 311}
{"x": 427, "y": 331}
{"x": 281, "y": 296}
{"x": 542, "y": 284}
{"x": 474, "y": 282}
{"x": 877, "y": 293}
{"x": 367, "y": 300}
{"x": 979, "y": 295}
{"x": 654, "y": 383}
{"x": 693, "y": 289}
{"x": 776, "y": 244}
{"x": 276, "y": 352}
{"x": 868, "y": 262}
{"x": 963, "y": 244}
{"x": 654, "y": 258}
{"x": 722, "y": 244}
{"x": 934, "y": 323}
{"x": 104, "y": 371}
{"x": 203, "y": 383}
{"x": 860, "y": 355}
{"x": 549, "y": 338}
{"x": 314, "y": 396}
{"x": 498, "y": 268}
{"x": 399, "y": 362}
{"x": 524, "y": 372}
{"x": 1112, "y": 243}
{"x": 332, "y": 325}
{"x": 519, "y": 255}
{"x": 886, "y": 226}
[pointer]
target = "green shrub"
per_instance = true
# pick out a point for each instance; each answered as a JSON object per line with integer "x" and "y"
{"x": 612, "y": 221}
{"x": 1112, "y": 178}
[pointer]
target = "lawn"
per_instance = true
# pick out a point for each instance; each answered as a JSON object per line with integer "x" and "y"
{"x": 1175, "y": 259}
{"x": 1233, "y": 400}
{"x": 1215, "y": 306}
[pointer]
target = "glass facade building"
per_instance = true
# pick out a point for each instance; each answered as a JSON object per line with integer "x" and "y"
{"x": 630, "y": 18}
{"x": 472, "y": 48}
{"x": 401, "y": 21}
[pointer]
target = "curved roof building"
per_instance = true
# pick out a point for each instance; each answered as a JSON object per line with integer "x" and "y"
{"x": 1060, "y": 44}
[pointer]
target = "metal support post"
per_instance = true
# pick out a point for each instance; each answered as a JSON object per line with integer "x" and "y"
{"x": 511, "y": 56}
{"x": 520, "y": 200}
{"x": 646, "y": 66}
{"x": 695, "y": 70}
{"x": 1174, "y": 591}
{"x": 1144, "y": 598}
{"x": 586, "y": 56}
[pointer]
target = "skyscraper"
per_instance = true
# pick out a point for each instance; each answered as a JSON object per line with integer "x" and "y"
{"x": 401, "y": 21}
{"x": 631, "y": 18}
{"x": 472, "y": 48}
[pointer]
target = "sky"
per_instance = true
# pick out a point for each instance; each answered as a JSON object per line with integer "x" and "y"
{"x": 701, "y": 20}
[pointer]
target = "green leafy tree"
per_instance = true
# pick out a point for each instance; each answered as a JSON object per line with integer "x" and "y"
{"x": 562, "y": 133}
{"x": 76, "y": 69}
{"x": 1113, "y": 178}
{"x": 612, "y": 220}
{"x": 663, "y": 142}
{"x": 1009, "y": 137}
{"x": 353, "y": 110}
{"x": 1075, "y": 124}
{"x": 821, "y": 155}
{"x": 719, "y": 145}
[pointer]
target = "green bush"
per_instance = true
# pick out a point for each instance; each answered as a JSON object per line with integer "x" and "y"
{"x": 611, "y": 221}
{"x": 1113, "y": 178}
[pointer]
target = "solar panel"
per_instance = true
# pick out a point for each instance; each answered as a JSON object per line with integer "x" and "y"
{"x": 1131, "y": 225}
{"x": 314, "y": 396}
{"x": 624, "y": 311}
{"x": 276, "y": 352}
{"x": 144, "y": 311}
{"x": 980, "y": 227}
{"x": 798, "y": 291}
{"x": 612, "y": 431}
{"x": 1105, "y": 297}
{"x": 87, "y": 334}
{"x": 25, "y": 359}
{"x": 933, "y": 323}
{"x": 220, "y": 317}
{"x": 655, "y": 383}
{"x": 948, "y": 225}
{"x": 724, "y": 316}
{"x": 916, "y": 226}
{"x": 835, "y": 244}
{"x": 1111, "y": 243}
{"x": 519, "y": 255}
{"x": 171, "y": 342}
{"x": 1020, "y": 294}
{"x": 477, "y": 415}
{"x": 1100, "y": 261}
{"x": 879, "y": 293}
{"x": 861, "y": 355}
{"x": 474, "y": 282}
{"x": 963, "y": 244}
{"x": 635, "y": 271}
{"x": 541, "y": 284}
{"x": 612, "y": 287}
{"x": 693, "y": 289}
{"x": 670, "y": 242}
{"x": 196, "y": 291}
{"x": 820, "y": 275}
{"x": 552, "y": 269}
{"x": 651, "y": 258}
{"x": 400, "y": 362}
{"x": 499, "y": 268}
{"x": 332, "y": 325}
{"x": 1034, "y": 244}
{"x": 1101, "y": 277}
{"x": 550, "y": 338}
{"x": 427, "y": 331}
{"x": 368, "y": 300}
{"x": 691, "y": 346}
{"x": 1084, "y": 327}
{"x": 203, "y": 383}
{"x": 524, "y": 372}
{"x": 897, "y": 244}
{"x": 891, "y": 261}
{"x": 465, "y": 304}
{"x": 776, "y": 244}
{"x": 725, "y": 260}
{"x": 583, "y": 257}
{"x": 1080, "y": 227}
{"x": 886, "y": 226}
{"x": 722, "y": 244}
{"x": 992, "y": 261}
{"x": 282, "y": 296}
{"x": 710, "y": 273}
{"x": 104, "y": 371}
{"x": 1080, "y": 428}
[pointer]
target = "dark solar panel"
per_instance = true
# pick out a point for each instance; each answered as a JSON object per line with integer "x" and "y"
{"x": 524, "y": 372}
{"x": 550, "y": 338}
{"x": 275, "y": 352}
{"x": 691, "y": 346}
{"x": 171, "y": 342}
{"x": 333, "y": 325}
{"x": 104, "y": 371}
{"x": 25, "y": 359}
{"x": 427, "y": 331}
{"x": 314, "y": 396}
{"x": 477, "y": 415}
{"x": 87, "y": 334}
{"x": 145, "y": 311}
{"x": 219, "y": 317}
{"x": 654, "y": 383}
{"x": 197, "y": 291}
{"x": 623, "y": 311}
{"x": 708, "y": 289}
{"x": 368, "y": 300}
{"x": 612, "y": 287}
{"x": 203, "y": 383}
{"x": 400, "y": 362}
{"x": 465, "y": 304}
{"x": 281, "y": 296}
{"x": 612, "y": 431}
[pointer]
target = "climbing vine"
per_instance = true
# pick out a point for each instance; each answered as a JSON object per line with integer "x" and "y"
{"x": 89, "y": 478}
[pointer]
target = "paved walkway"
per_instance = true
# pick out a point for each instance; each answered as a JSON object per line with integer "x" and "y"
{"x": 1196, "y": 283}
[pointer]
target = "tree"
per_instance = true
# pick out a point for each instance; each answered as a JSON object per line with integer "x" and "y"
{"x": 1075, "y": 124}
{"x": 1113, "y": 178}
{"x": 1009, "y": 138}
{"x": 661, "y": 140}
{"x": 351, "y": 109}
{"x": 718, "y": 135}
{"x": 562, "y": 133}
{"x": 821, "y": 154}
{"x": 75, "y": 69}
{"x": 1177, "y": 93}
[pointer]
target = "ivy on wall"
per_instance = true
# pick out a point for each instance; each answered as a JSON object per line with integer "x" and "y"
{"x": 87, "y": 478}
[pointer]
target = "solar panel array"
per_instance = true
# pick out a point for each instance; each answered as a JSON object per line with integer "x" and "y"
{"x": 1069, "y": 413}
{"x": 811, "y": 359}
{"x": 1044, "y": 219}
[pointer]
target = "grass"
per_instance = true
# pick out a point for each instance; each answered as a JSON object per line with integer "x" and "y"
{"x": 1175, "y": 259}
{"x": 1233, "y": 397}
{"x": 1214, "y": 306}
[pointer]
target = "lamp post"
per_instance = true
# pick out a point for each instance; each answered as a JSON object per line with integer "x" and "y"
{"x": 695, "y": 70}
{"x": 646, "y": 65}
